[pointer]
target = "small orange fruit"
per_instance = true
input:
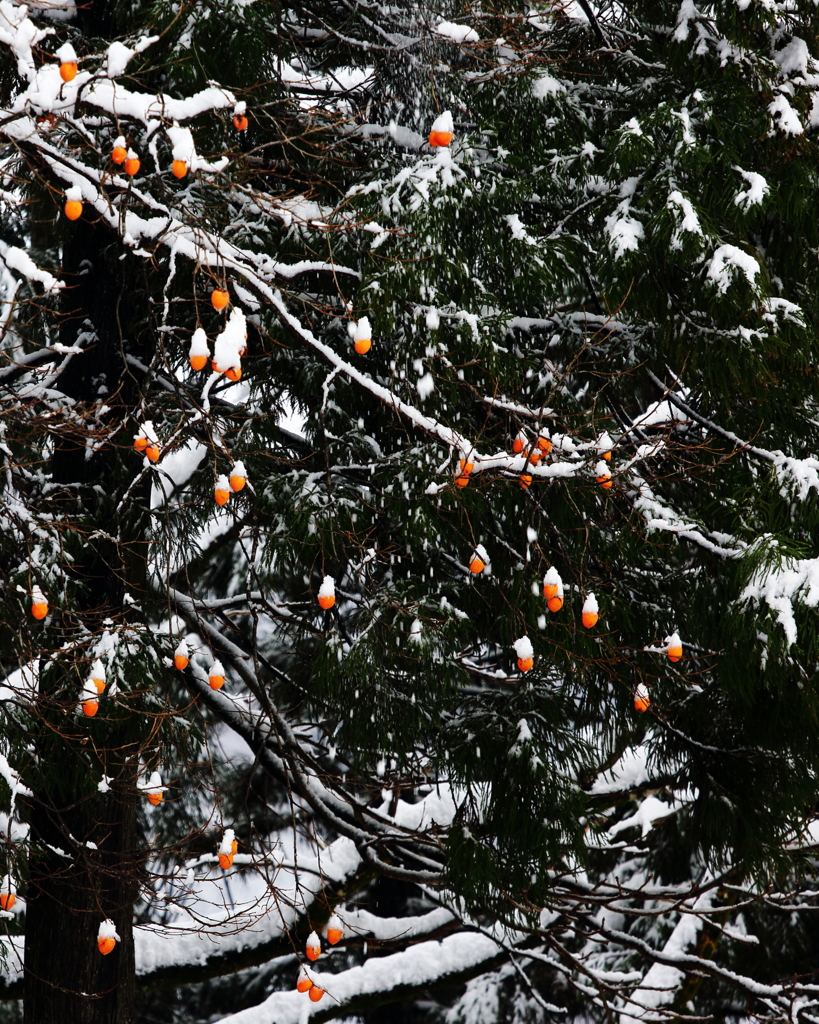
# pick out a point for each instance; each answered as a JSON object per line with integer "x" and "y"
{"x": 180, "y": 662}
{"x": 237, "y": 482}
{"x": 155, "y": 798}
{"x": 517, "y": 445}
{"x": 140, "y": 443}
{"x": 590, "y": 619}
{"x": 234, "y": 373}
{"x": 525, "y": 664}
{"x": 549, "y": 590}
{"x": 118, "y": 154}
{"x": 544, "y": 444}
{"x": 179, "y": 168}
{"x": 327, "y": 601}
{"x": 363, "y": 346}
{"x": 525, "y": 480}
{"x": 221, "y": 496}
{"x": 7, "y": 900}
{"x": 219, "y": 298}
{"x": 440, "y": 138}
{"x": 68, "y": 70}
{"x": 607, "y": 456}
{"x": 534, "y": 457}
{"x": 152, "y": 453}
{"x": 316, "y": 993}
{"x": 106, "y": 945}
{"x": 334, "y": 930}
{"x": 198, "y": 362}
{"x": 605, "y": 481}
{"x": 132, "y": 165}
{"x": 303, "y": 984}
{"x": 555, "y": 603}
{"x": 641, "y": 703}
{"x": 216, "y": 682}
{"x": 477, "y": 565}
{"x": 73, "y": 209}
{"x": 240, "y": 123}
{"x": 313, "y": 950}
{"x": 90, "y": 708}
{"x": 225, "y": 861}
{"x": 39, "y": 609}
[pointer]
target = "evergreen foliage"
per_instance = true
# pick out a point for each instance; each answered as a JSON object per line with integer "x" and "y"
{"x": 614, "y": 261}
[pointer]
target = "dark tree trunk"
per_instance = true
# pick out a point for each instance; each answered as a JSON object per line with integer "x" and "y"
{"x": 85, "y": 864}
{"x": 67, "y": 979}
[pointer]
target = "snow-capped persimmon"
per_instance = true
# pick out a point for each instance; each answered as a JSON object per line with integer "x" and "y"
{"x": 216, "y": 676}
{"x": 552, "y": 583}
{"x": 198, "y": 353}
{"x": 68, "y": 70}
{"x": 221, "y": 490}
{"x": 313, "y": 946}
{"x": 334, "y": 930}
{"x": 327, "y": 593}
{"x": 39, "y": 604}
{"x": 303, "y": 983}
{"x": 238, "y": 477}
{"x": 73, "y": 209}
{"x": 107, "y": 937}
{"x": 641, "y": 699}
{"x": 363, "y": 336}
{"x": 674, "y": 648}
{"x": 442, "y": 130}
{"x": 316, "y": 993}
{"x": 590, "y": 612}
{"x": 240, "y": 122}
{"x": 181, "y": 656}
{"x": 525, "y": 653}
{"x": 226, "y": 849}
{"x": 97, "y": 676}
{"x": 179, "y": 168}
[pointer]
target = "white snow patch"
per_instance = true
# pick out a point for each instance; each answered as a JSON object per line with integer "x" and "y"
{"x": 456, "y": 34}
{"x": 727, "y": 257}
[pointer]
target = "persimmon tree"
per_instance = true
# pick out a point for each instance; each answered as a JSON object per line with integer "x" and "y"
{"x": 409, "y": 511}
